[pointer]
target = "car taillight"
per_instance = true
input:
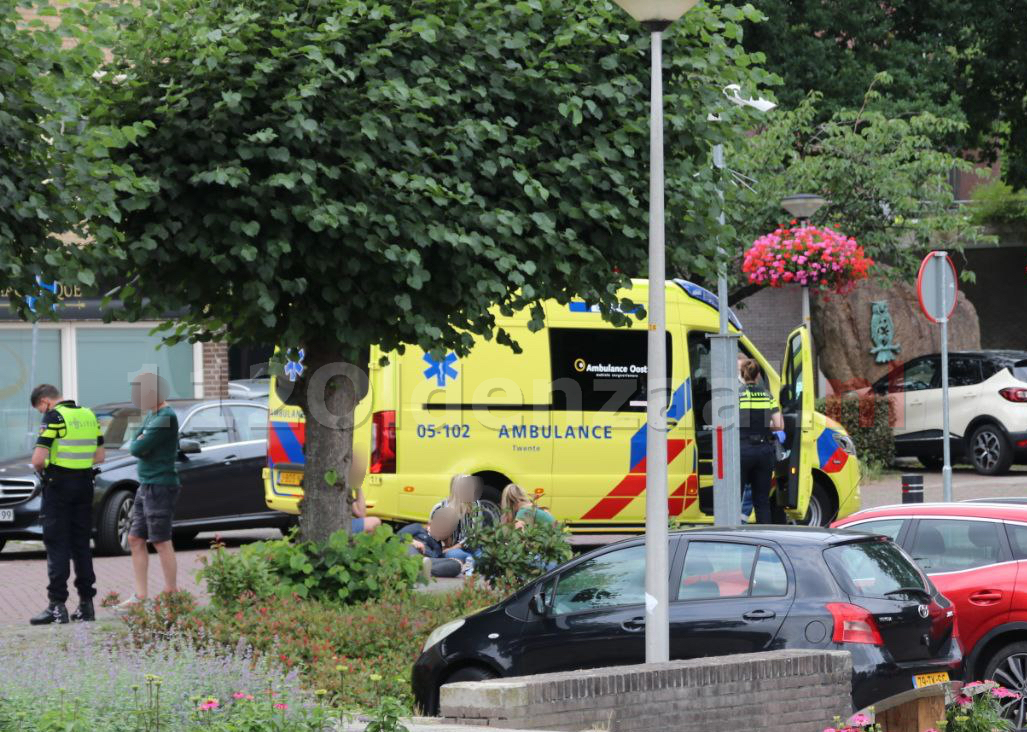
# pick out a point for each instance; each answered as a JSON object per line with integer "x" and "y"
{"x": 853, "y": 624}
{"x": 383, "y": 442}
{"x": 1014, "y": 394}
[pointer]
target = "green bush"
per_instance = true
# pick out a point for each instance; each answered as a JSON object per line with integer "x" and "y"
{"x": 868, "y": 420}
{"x": 348, "y": 569}
{"x": 231, "y": 575}
{"x": 998, "y": 203}
{"x": 509, "y": 557}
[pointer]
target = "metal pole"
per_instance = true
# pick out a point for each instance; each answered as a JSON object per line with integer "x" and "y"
{"x": 657, "y": 628}
{"x": 943, "y": 309}
{"x": 727, "y": 474}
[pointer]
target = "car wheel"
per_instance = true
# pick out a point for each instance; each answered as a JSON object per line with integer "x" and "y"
{"x": 112, "y": 538}
{"x": 467, "y": 673}
{"x": 931, "y": 462}
{"x": 1009, "y": 668}
{"x": 821, "y": 509}
{"x": 990, "y": 450}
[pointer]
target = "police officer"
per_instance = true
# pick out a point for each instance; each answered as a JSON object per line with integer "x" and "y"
{"x": 68, "y": 446}
{"x": 759, "y": 417}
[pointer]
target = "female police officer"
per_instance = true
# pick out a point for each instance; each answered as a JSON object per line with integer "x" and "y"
{"x": 759, "y": 417}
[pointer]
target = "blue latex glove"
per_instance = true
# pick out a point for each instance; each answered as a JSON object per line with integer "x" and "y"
{"x": 780, "y": 434}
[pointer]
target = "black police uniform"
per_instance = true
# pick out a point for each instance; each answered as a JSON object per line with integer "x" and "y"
{"x": 758, "y": 454}
{"x": 68, "y": 513}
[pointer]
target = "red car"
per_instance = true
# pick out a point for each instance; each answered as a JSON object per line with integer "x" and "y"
{"x": 976, "y": 555}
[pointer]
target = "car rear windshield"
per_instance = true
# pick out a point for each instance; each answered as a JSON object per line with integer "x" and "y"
{"x": 875, "y": 568}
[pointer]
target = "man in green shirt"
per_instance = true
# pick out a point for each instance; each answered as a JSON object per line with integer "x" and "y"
{"x": 156, "y": 448}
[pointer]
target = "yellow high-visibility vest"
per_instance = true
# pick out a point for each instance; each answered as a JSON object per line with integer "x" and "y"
{"x": 74, "y": 439}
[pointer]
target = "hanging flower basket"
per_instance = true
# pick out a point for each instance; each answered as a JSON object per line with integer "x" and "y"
{"x": 809, "y": 256}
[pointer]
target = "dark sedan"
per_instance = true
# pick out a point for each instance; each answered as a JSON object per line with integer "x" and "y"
{"x": 223, "y": 450}
{"x": 739, "y": 590}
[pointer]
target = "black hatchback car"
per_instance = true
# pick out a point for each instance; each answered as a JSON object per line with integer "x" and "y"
{"x": 738, "y": 590}
{"x": 223, "y": 448}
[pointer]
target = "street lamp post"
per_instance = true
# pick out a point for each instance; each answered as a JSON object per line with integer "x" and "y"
{"x": 727, "y": 475}
{"x": 802, "y": 206}
{"x": 655, "y": 16}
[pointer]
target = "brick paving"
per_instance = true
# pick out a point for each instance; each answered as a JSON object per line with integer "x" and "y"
{"x": 23, "y": 574}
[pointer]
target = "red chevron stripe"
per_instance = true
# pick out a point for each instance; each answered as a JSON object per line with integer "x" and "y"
{"x": 631, "y": 486}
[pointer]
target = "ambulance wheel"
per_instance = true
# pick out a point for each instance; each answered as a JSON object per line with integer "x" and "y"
{"x": 821, "y": 510}
{"x": 492, "y": 491}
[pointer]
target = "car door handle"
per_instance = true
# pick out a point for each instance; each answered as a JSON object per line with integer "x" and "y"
{"x": 759, "y": 615}
{"x": 985, "y": 597}
{"x": 229, "y": 459}
{"x": 634, "y": 625}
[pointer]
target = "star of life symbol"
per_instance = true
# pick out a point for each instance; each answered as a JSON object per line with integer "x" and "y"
{"x": 294, "y": 369}
{"x": 440, "y": 370}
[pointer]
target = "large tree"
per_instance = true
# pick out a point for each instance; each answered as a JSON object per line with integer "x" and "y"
{"x": 962, "y": 60}
{"x": 45, "y": 163}
{"x": 334, "y": 174}
{"x": 886, "y": 180}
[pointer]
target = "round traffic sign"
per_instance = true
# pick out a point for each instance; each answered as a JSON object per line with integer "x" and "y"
{"x": 936, "y": 286}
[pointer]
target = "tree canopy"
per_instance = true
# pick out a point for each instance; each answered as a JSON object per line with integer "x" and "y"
{"x": 964, "y": 60}
{"x": 886, "y": 180}
{"x": 336, "y": 174}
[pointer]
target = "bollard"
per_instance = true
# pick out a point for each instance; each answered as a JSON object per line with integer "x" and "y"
{"x": 912, "y": 489}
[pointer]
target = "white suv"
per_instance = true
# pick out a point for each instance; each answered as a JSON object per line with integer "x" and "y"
{"x": 987, "y": 412}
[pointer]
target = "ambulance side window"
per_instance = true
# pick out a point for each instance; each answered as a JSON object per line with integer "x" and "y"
{"x": 600, "y": 370}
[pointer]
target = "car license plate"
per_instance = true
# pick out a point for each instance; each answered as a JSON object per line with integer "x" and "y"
{"x": 290, "y": 478}
{"x": 922, "y": 680}
{"x": 6, "y": 515}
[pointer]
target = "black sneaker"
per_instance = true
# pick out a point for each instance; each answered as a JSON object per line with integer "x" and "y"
{"x": 55, "y": 612}
{"x": 85, "y": 612}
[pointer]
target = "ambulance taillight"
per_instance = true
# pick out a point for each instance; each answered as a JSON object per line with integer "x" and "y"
{"x": 383, "y": 442}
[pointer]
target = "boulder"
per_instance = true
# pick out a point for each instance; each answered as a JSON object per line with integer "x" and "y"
{"x": 845, "y": 344}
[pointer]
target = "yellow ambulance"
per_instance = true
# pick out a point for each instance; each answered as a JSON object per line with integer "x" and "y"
{"x": 565, "y": 419}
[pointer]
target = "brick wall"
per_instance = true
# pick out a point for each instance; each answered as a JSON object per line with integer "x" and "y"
{"x": 768, "y": 317}
{"x": 215, "y": 370}
{"x": 778, "y": 691}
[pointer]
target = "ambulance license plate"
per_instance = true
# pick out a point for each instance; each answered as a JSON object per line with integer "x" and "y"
{"x": 922, "y": 680}
{"x": 290, "y": 478}
{"x": 6, "y": 515}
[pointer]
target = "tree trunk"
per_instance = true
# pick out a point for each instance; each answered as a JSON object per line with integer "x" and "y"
{"x": 330, "y": 390}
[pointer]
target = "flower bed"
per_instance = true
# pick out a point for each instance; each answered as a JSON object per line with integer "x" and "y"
{"x": 809, "y": 256}
{"x": 357, "y": 654}
{"x": 100, "y": 683}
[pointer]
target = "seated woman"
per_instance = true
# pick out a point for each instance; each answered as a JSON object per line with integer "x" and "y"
{"x": 464, "y": 497}
{"x": 520, "y": 510}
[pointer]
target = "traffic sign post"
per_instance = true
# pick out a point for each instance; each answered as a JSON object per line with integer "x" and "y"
{"x": 936, "y": 287}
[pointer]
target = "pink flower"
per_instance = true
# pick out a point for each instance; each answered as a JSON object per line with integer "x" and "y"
{"x": 964, "y": 701}
{"x": 1004, "y": 693}
{"x": 859, "y": 720}
{"x": 209, "y": 705}
{"x": 238, "y": 695}
{"x": 282, "y": 706}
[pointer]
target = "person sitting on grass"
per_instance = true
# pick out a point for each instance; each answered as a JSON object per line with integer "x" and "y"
{"x": 520, "y": 510}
